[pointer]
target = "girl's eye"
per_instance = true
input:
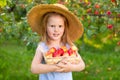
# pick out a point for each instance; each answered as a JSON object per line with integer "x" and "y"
{"x": 51, "y": 25}
{"x": 60, "y": 26}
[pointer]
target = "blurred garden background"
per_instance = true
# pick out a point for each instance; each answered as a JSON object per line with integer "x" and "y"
{"x": 99, "y": 46}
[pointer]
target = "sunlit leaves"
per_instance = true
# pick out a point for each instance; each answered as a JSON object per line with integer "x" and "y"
{"x": 2, "y": 3}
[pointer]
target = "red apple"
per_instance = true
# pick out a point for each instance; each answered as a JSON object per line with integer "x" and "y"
{"x": 110, "y": 26}
{"x": 96, "y": 12}
{"x": 118, "y": 43}
{"x": 58, "y": 52}
{"x": 108, "y": 12}
{"x": 97, "y": 6}
{"x": 55, "y": 54}
{"x": 113, "y": 0}
{"x": 70, "y": 51}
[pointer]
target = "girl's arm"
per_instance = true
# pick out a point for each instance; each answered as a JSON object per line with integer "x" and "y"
{"x": 78, "y": 67}
{"x": 67, "y": 66}
{"x": 37, "y": 67}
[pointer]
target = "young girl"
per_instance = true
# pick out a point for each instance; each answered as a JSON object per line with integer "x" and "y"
{"x": 57, "y": 27}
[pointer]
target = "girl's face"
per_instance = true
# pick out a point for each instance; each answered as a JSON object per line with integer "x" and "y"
{"x": 55, "y": 27}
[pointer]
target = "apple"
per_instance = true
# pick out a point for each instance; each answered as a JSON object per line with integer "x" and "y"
{"x": 118, "y": 43}
{"x": 49, "y": 54}
{"x": 97, "y": 6}
{"x": 72, "y": 51}
{"x": 89, "y": 10}
{"x": 55, "y": 53}
{"x": 113, "y": 0}
{"x": 96, "y": 12}
{"x": 110, "y": 26}
{"x": 87, "y": 3}
{"x": 64, "y": 48}
{"x": 65, "y": 51}
{"x": 74, "y": 48}
{"x": 58, "y": 52}
{"x": 52, "y": 50}
{"x": 108, "y": 12}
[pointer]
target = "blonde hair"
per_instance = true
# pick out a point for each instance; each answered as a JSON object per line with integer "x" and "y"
{"x": 44, "y": 37}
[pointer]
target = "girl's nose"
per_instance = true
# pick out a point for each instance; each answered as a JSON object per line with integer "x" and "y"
{"x": 56, "y": 28}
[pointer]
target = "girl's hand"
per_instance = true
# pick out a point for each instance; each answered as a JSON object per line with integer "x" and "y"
{"x": 65, "y": 66}
{"x": 56, "y": 68}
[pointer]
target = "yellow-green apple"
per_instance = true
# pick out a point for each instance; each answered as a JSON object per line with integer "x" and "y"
{"x": 65, "y": 51}
{"x": 74, "y": 48}
{"x": 49, "y": 54}
{"x": 64, "y": 48}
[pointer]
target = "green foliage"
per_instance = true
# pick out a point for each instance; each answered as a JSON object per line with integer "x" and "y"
{"x": 2, "y": 3}
{"x": 14, "y": 25}
{"x": 93, "y": 22}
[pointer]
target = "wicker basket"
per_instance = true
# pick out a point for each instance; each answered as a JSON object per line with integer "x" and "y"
{"x": 55, "y": 60}
{"x": 71, "y": 56}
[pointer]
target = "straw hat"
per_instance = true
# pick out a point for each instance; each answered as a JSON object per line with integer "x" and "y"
{"x": 35, "y": 15}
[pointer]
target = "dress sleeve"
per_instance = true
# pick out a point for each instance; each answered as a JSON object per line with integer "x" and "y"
{"x": 39, "y": 53}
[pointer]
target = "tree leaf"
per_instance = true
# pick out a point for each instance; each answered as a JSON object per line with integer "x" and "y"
{"x": 2, "y": 3}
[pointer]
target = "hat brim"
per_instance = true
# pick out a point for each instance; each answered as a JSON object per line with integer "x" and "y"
{"x": 35, "y": 15}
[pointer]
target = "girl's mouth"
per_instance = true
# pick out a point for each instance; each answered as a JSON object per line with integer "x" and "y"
{"x": 56, "y": 35}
